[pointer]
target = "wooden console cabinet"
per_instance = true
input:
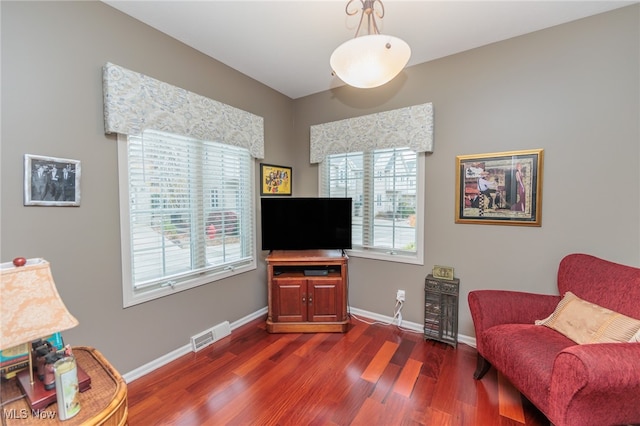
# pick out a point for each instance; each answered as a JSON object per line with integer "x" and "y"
{"x": 307, "y": 291}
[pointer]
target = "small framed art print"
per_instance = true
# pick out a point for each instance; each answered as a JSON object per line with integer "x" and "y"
{"x": 275, "y": 180}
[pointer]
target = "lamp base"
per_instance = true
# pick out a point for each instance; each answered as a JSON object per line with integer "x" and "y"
{"x": 38, "y": 397}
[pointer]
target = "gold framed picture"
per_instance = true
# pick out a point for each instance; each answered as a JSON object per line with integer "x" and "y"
{"x": 443, "y": 272}
{"x": 275, "y": 180}
{"x": 502, "y": 188}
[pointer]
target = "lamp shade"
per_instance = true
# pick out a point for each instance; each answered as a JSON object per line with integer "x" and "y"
{"x": 370, "y": 60}
{"x": 30, "y": 306}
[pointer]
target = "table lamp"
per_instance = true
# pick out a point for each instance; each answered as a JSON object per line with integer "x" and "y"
{"x": 30, "y": 306}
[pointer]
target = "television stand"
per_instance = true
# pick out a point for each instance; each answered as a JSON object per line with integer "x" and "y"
{"x": 307, "y": 291}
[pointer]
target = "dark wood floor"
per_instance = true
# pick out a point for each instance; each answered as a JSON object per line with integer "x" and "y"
{"x": 371, "y": 375}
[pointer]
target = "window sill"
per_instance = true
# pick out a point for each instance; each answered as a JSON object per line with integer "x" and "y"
{"x": 376, "y": 255}
{"x": 132, "y": 298}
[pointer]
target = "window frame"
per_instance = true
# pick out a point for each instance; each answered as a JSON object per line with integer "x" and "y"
{"x": 384, "y": 253}
{"x": 133, "y": 296}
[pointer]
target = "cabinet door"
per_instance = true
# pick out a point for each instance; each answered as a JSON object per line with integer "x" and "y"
{"x": 324, "y": 299}
{"x": 289, "y": 300}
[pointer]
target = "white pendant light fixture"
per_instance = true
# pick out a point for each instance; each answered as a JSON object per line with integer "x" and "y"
{"x": 369, "y": 60}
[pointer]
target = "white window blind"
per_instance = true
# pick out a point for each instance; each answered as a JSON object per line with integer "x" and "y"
{"x": 189, "y": 213}
{"x": 386, "y": 186}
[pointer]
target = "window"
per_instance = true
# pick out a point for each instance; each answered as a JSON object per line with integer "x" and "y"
{"x": 387, "y": 187}
{"x": 186, "y": 213}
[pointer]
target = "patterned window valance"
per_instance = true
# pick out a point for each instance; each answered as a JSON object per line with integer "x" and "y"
{"x": 405, "y": 127}
{"x": 134, "y": 102}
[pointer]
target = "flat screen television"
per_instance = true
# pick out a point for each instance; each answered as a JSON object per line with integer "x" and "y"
{"x": 299, "y": 223}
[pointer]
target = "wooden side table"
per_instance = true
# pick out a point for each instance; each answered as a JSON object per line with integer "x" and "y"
{"x": 105, "y": 403}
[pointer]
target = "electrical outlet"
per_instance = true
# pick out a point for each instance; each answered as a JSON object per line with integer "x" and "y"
{"x": 400, "y": 296}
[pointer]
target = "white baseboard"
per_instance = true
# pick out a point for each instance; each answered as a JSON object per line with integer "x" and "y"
{"x": 156, "y": 363}
{"x": 413, "y": 326}
{"x": 183, "y": 350}
{"x": 187, "y": 348}
{"x": 384, "y": 319}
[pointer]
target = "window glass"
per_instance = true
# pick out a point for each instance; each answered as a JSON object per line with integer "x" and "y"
{"x": 386, "y": 188}
{"x": 188, "y": 216}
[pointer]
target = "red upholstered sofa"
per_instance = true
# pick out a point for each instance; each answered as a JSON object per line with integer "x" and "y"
{"x": 572, "y": 384}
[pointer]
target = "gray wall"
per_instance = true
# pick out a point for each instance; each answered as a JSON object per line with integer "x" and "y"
{"x": 572, "y": 90}
{"x": 52, "y": 58}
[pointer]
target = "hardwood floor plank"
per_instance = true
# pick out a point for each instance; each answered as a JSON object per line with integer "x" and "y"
{"x": 199, "y": 384}
{"x": 437, "y": 417}
{"x": 405, "y": 348}
{"x": 369, "y": 413}
{"x": 356, "y": 329}
{"x": 391, "y": 411}
{"x": 432, "y": 355}
{"x": 263, "y": 355}
{"x": 252, "y": 339}
{"x": 260, "y": 397}
{"x": 332, "y": 340}
{"x": 311, "y": 344}
{"x": 348, "y": 407}
{"x": 487, "y": 403}
{"x": 423, "y": 395}
{"x": 318, "y": 401}
{"x": 509, "y": 401}
{"x": 465, "y": 360}
{"x": 379, "y": 362}
{"x": 447, "y": 388}
{"x": 144, "y": 407}
{"x": 408, "y": 377}
{"x": 385, "y": 382}
{"x": 370, "y": 375}
{"x": 464, "y": 415}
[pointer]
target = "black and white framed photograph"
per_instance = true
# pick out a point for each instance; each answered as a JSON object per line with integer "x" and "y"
{"x": 51, "y": 181}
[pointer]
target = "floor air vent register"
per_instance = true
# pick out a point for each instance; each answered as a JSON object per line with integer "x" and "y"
{"x": 207, "y": 337}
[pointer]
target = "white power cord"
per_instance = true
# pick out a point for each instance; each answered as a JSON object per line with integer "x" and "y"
{"x": 354, "y": 316}
{"x": 397, "y": 312}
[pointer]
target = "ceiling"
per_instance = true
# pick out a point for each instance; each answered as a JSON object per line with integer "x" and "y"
{"x": 286, "y": 45}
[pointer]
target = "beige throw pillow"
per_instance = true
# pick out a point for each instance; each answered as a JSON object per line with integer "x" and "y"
{"x": 585, "y": 322}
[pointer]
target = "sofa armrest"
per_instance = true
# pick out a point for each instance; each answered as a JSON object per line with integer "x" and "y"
{"x": 493, "y": 307}
{"x": 597, "y": 384}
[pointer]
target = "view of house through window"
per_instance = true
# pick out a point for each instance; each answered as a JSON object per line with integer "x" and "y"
{"x": 190, "y": 212}
{"x": 385, "y": 189}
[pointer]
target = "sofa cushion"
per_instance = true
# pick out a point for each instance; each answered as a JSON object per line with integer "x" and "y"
{"x": 524, "y": 354}
{"x": 585, "y": 322}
